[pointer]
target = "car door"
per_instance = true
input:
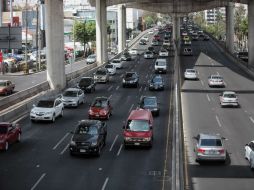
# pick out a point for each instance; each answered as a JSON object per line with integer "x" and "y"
{"x": 58, "y": 107}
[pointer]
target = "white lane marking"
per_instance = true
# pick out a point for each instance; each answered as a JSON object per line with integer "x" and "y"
{"x": 38, "y": 181}
{"x": 110, "y": 87}
{"x": 110, "y": 96}
{"x": 145, "y": 89}
{"x": 121, "y": 75}
{"x": 140, "y": 89}
{"x": 113, "y": 143}
{"x": 65, "y": 148}
{"x": 147, "y": 76}
{"x": 225, "y": 83}
{"x": 131, "y": 107}
{"x": 61, "y": 140}
{"x": 202, "y": 82}
{"x": 105, "y": 184}
{"x": 252, "y": 120}
{"x": 218, "y": 73}
{"x": 117, "y": 87}
{"x": 208, "y": 98}
{"x": 218, "y": 121}
{"x": 19, "y": 119}
{"x": 119, "y": 151}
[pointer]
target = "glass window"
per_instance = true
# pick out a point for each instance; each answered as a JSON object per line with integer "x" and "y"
{"x": 45, "y": 104}
{"x": 85, "y": 129}
{"x": 70, "y": 93}
{"x": 3, "y": 130}
{"x": 138, "y": 125}
{"x": 211, "y": 142}
{"x": 100, "y": 103}
{"x": 86, "y": 81}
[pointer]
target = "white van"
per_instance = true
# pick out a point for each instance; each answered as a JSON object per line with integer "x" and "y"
{"x": 160, "y": 66}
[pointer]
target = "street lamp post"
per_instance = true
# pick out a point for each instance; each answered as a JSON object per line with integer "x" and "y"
{"x": 27, "y": 68}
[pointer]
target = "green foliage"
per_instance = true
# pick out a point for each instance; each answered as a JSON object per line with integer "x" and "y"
{"x": 241, "y": 22}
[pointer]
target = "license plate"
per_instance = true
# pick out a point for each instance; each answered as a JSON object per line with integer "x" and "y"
{"x": 97, "y": 115}
{"x": 82, "y": 150}
{"x": 137, "y": 144}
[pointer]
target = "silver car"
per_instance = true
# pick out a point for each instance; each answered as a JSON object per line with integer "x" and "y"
{"x": 72, "y": 97}
{"x": 216, "y": 81}
{"x": 228, "y": 98}
{"x": 249, "y": 153}
{"x": 210, "y": 147}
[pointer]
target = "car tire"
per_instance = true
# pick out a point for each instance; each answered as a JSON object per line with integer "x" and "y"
{"x": 53, "y": 118}
{"x": 19, "y": 137}
{"x": 6, "y": 147}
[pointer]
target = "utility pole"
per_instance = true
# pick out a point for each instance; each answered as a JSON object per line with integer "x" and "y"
{"x": 27, "y": 67}
{"x": 1, "y": 12}
{"x": 37, "y": 26}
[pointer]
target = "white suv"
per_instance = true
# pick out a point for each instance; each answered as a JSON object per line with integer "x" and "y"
{"x": 48, "y": 110}
{"x": 160, "y": 66}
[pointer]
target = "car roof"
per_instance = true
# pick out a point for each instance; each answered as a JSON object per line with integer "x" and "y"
{"x": 209, "y": 136}
{"x": 215, "y": 75}
{"x": 48, "y": 99}
{"x": 140, "y": 114}
{"x": 229, "y": 92}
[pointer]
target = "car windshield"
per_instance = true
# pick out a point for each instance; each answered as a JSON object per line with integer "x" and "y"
{"x": 229, "y": 95}
{"x": 70, "y": 93}
{"x": 138, "y": 125}
{"x": 45, "y": 104}
{"x": 3, "y": 129}
{"x": 211, "y": 142}
{"x": 150, "y": 101}
{"x": 91, "y": 56}
{"x": 190, "y": 71}
{"x": 99, "y": 103}
{"x": 101, "y": 72}
{"x": 87, "y": 130}
{"x": 85, "y": 82}
{"x": 148, "y": 52}
{"x": 115, "y": 61}
{"x": 109, "y": 66}
{"x": 157, "y": 80}
{"x": 2, "y": 83}
{"x": 160, "y": 63}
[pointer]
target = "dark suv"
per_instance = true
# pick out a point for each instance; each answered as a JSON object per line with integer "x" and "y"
{"x": 130, "y": 79}
{"x": 89, "y": 137}
{"x": 87, "y": 84}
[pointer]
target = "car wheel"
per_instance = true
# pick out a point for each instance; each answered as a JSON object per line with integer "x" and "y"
{"x": 6, "y": 147}
{"x": 53, "y": 118}
{"x": 19, "y": 137}
{"x": 62, "y": 113}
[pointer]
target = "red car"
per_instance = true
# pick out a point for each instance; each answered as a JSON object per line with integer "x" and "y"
{"x": 100, "y": 108}
{"x": 9, "y": 133}
{"x": 6, "y": 87}
{"x": 156, "y": 37}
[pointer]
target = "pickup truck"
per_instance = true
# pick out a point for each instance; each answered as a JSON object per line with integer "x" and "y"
{"x": 6, "y": 87}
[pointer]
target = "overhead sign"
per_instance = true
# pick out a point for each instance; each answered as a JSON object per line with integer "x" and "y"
{"x": 10, "y": 37}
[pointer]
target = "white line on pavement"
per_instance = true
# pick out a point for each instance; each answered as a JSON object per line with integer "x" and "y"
{"x": 202, "y": 82}
{"x": 110, "y": 87}
{"x": 140, "y": 89}
{"x": 105, "y": 184}
{"x": 110, "y": 96}
{"x": 117, "y": 87}
{"x": 208, "y": 97}
{"x": 65, "y": 148}
{"x": 59, "y": 142}
{"x": 119, "y": 151}
{"x": 145, "y": 89}
{"x": 131, "y": 107}
{"x": 218, "y": 73}
{"x": 38, "y": 181}
{"x": 252, "y": 120}
{"x": 218, "y": 121}
{"x": 113, "y": 143}
{"x": 19, "y": 119}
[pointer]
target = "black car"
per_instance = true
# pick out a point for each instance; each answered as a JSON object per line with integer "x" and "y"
{"x": 150, "y": 103}
{"x": 151, "y": 48}
{"x": 130, "y": 79}
{"x": 87, "y": 84}
{"x": 156, "y": 83}
{"x": 126, "y": 57}
{"x": 89, "y": 137}
{"x": 206, "y": 38}
{"x": 142, "y": 42}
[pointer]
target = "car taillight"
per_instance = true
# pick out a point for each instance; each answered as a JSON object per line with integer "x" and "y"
{"x": 200, "y": 150}
{"x": 221, "y": 151}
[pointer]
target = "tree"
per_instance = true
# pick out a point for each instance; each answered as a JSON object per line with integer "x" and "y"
{"x": 150, "y": 18}
{"x": 199, "y": 19}
{"x": 241, "y": 23}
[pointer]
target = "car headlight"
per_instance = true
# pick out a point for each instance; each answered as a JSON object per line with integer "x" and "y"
{"x": 123, "y": 80}
{"x": 73, "y": 143}
{"x": 127, "y": 138}
{"x": 48, "y": 113}
{"x": 94, "y": 143}
{"x": 32, "y": 112}
{"x": 103, "y": 112}
{"x": 147, "y": 139}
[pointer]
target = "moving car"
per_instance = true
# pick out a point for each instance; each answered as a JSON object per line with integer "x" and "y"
{"x": 138, "y": 129}
{"x": 72, "y": 97}
{"x": 186, "y": 38}
{"x": 87, "y": 84}
{"x": 9, "y": 134}
{"x": 157, "y": 37}
{"x": 142, "y": 42}
{"x": 150, "y": 103}
{"x": 163, "y": 53}
{"x": 91, "y": 59}
{"x": 100, "y": 108}
{"x": 130, "y": 79}
{"x": 6, "y": 87}
{"x": 190, "y": 74}
{"x": 187, "y": 42}
{"x": 133, "y": 52}
{"x": 216, "y": 81}
{"x": 249, "y": 153}
{"x": 118, "y": 63}
{"x": 111, "y": 69}
{"x": 166, "y": 43}
{"x": 206, "y": 38}
{"x": 160, "y": 66}
{"x": 194, "y": 36}
{"x": 126, "y": 56}
{"x": 156, "y": 83}
{"x": 210, "y": 147}
{"x": 148, "y": 55}
{"x": 48, "y": 110}
{"x": 145, "y": 38}
{"x": 155, "y": 43}
{"x": 89, "y": 137}
{"x": 187, "y": 51}
{"x": 101, "y": 75}
{"x": 228, "y": 98}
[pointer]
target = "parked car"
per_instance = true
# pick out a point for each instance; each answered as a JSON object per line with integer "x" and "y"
{"x": 101, "y": 75}
{"x": 6, "y": 87}
{"x": 9, "y": 134}
{"x": 156, "y": 83}
{"x": 148, "y": 55}
{"x": 89, "y": 137}
{"x": 138, "y": 129}
{"x": 210, "y": 147}
{"x": 160, "y": 65}
{"x": 229, "y": 98}
{"x": 126, "y": 56}
{"x": 118, "y": 63}
{"x": 111, "y": 69}
{"x": 73, "y": 97}
{"x": 150, "y": 103}
{"x": 91, "y": 59}
{"x": 130, "y": 79}
{"x": 87, "y": 84}
{"x": 163, "y": 53}
{"x": 100, "y": 108}
{"x": 249, "y": 153}
{"x": 216, "y": 81}
{"x": 191, "y": 74}
{"x": 47, "y": 110}
{"x": 187, "y": 51}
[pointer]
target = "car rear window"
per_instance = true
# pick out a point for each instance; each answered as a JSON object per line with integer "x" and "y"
{"x": 157, "y": 79}
{"x": 99, "y": 103}
{"x": 160, "y": 63}
{"x": 101, "y": 72}
{"x": 86, "y": 130}
{"x": 2, "y": 83}
{"x": 150, "y": 102}
{"x": 230, "y": 95}
{"x": 211, "y": 142}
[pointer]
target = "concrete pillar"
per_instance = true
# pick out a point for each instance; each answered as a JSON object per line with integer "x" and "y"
{"x": 99, "y": 30}
{"x": 121, "y": 27}
{"x": 251, "y": 32}
{"x": 176, "y": 28}
{"x": 230, "y": 27}
{"x": 104, "y": 31}
{"x": 55, "y": 44}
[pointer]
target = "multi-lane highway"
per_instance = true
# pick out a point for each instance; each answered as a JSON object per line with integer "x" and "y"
{"x": 203, "y": 114}
{"x": 42, "y": 160}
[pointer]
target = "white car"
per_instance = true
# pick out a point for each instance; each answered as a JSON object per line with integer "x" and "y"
{"x": 148, "y": 55}
{"x": 187, "y": 42}
{"x": 91, "y": 59}
{"x": 73, "y": 97}
{"x": 190, "y": 74}
{"x": 47, "y": 110}
{"x": 229, "y": 98}
{"x": 133, "y": 51}
{"x": 150, "y": 32}
{"x": 249, "y": 153}
{"x": 160, "y": 66}
{"x": 166, "y": 43}
{"x": 111, "y": 69}
{"x": 118, "y": 63}
{"x": 216, "y": 80}
{"x": 163, "y": 53}
{"x": 145, "y": 38}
